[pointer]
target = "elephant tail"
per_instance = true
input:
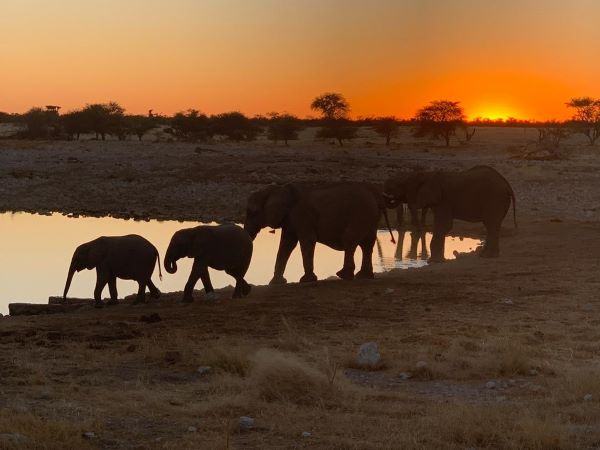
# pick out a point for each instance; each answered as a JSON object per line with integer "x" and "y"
{"x": 387, "y": 223}
{"x": 159, "y": 271}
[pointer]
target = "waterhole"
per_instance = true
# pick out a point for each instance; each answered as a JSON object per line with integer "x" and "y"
{"x": 36, "y": 251}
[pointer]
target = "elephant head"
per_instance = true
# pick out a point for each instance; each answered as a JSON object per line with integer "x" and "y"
{"x": 268, "y": 208}
{"x": 428, "y": 193}
{"x": 187, "y": 243}
{"x": 394, "y": 191}
{"x": 86, "y": 256}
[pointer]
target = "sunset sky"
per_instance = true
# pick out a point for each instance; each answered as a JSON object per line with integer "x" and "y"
{"x": 522, "y": 58}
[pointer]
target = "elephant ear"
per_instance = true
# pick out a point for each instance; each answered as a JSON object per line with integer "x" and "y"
{"x": 96, "y": 252}
{"x": 202, "y": 242}
{"x": 429, "y": 193}
{"x": 278, "y": 205}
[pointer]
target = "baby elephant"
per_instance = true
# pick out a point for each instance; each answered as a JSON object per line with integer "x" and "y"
{"x": 128, "y": 257}
{"x": 221, "y": 247}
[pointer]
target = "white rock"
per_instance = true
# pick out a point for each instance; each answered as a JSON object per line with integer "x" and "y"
{"x": 533, "y": 372}
{"x": 389, "y": 291}
{"x": 490, "y": 385}
{"x": 421, "y": 365}
{"x": 306, "y": 434}
{"x": 192, "y": 429}
{"x": 89, "y": 435}
{"x": 203, "y": 370}
{"x": 588, "y": 397}
{"x": 404, "y": 375}
{"x": 246, "y": 422}
{"x": 211, "y": 296}
{"x": 368, "y": 355}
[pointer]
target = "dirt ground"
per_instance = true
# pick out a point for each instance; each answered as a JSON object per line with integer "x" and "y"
{"x": 476, "y": 353}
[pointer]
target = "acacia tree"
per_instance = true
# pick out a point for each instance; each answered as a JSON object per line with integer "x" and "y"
{"x": 139, "y": 125}
{"x": 439, "y": 119}
{"x": 236, "y": 126}
{"x": 387, "y": 127}
{"x": 334, "y": 109}
{"x": 586, "y": 119}
{"x": 75, "y": 123}
{"x": 283, "y": 127}
{"x": 190, "y": 125}
{"x": 105, "y": 118}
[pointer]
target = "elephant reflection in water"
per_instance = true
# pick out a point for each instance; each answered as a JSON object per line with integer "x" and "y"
{"x": 413, "y": 250}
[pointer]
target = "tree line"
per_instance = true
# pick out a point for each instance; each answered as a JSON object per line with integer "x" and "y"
{"x": 441, "y": 119}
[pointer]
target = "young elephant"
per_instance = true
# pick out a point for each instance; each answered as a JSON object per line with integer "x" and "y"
{"x": 479, "y": 194}
{"x": 221, "y": 247}
{"x": 128, "y": 257}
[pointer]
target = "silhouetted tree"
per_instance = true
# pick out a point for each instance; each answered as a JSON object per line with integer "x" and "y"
{"x": 235, "y": 125}
{"x": 139, "y": 125}
{"x": 387, "y": 127}
{"x": 334, "y": 110}
{"x": 338, "y": 129}
{"x": 552, "y": 133}
{"x": 105, "y": 118}
{"x": 75, "y": 123}
{"x": 283, "y": 127}
{"x": 41, "y": 123}
{"x": 586, "y": 119}
{"x": 331, "y": 105}
{"x": 190, "y": 125}
{"x": 468, "y": 133}
{"x": 439, "y": 119}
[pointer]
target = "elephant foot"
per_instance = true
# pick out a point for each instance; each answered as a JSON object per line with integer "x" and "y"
{"x": 98, "y": 305}
{"x": 155, "y": 294}
{"x": 246, "y": 288}
{"x": 308, "y": 278}
{"x": 277, "y": 280}
{"x": 436, "y": 260}
{"x": 345, "y": 274}
{"x": 112, "y": 302}
{"x": 365, "y": 275}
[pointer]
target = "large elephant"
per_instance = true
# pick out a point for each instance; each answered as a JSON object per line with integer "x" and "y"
{"x": 342, "y": 216}
{"x": 128, "y": 257}
{"x": 479, "y": 194}
{"x": 222, "y": 247}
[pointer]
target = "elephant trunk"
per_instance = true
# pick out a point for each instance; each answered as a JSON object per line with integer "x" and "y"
{"x": 69, "y": 279}
{"x": 170, "y": 264}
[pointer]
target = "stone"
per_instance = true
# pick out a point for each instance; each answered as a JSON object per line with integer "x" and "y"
{"x": 490, "y": 385}
{"x": 89, "y": 435}
{"x": 368, "y": 355}
{"x": 404, "y": 375}
{"x": 10, "y": 440}
{"x": 588, "y": 397}
{"x": 246, "y": 422}
{"x": 421, "y": 365}
{"x": 203, "y": 370}
{"x": 211, "y": 296}
{"x": 389, "y": 291}
{"x": 533, "y": 372}
{"x": 587, "y": 307}
{"x": 192, "y": 429}
{"x": 306, "y": 434}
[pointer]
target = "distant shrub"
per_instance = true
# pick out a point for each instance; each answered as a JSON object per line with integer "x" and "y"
{"x": 190, "y": 125}
{"x": 235, "y": 126}
{"x": 283, "y": 127}
{"x": 439, "y": 119}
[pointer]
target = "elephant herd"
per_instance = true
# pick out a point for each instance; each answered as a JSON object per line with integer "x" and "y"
{"x": 343, "y": 216}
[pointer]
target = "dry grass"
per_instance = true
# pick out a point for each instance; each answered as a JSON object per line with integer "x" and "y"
{"x": 281, "y": 377}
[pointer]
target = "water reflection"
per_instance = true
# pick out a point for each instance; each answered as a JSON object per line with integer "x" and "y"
{"x": 36, "y": 252}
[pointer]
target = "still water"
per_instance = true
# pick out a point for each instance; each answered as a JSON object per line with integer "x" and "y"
{"x": 36, "y": 252}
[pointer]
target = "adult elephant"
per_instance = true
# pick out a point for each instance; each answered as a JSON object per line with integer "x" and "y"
{"x": 479, "y": 194}
{"x": 128, "y": 257}
{"x": 342, "y": 216}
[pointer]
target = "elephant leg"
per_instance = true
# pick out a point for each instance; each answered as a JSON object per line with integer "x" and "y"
{"x": 491, "y": 249}
{"x": 154, "y": 292}
{"x": 101, "y": 280}
{"x": 366, "y": 269}
{"x": 141, "y": 295}
{"x": 442, "y": 225}
{"x": 286, "y": 245}
{"x": 400, "y": 216}
{"x": 112, "y": 287}
{"x": 424, "y": 217}
{"x": 242, "y": 289}
{"x": 414, "y": 218}
{"x": 308, "y": 256}
{"x": 347, "y": 272}
{"x": 195, "y": 274}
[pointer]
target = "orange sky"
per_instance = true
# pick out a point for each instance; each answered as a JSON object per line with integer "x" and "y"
{"x": 520, "y": 58}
